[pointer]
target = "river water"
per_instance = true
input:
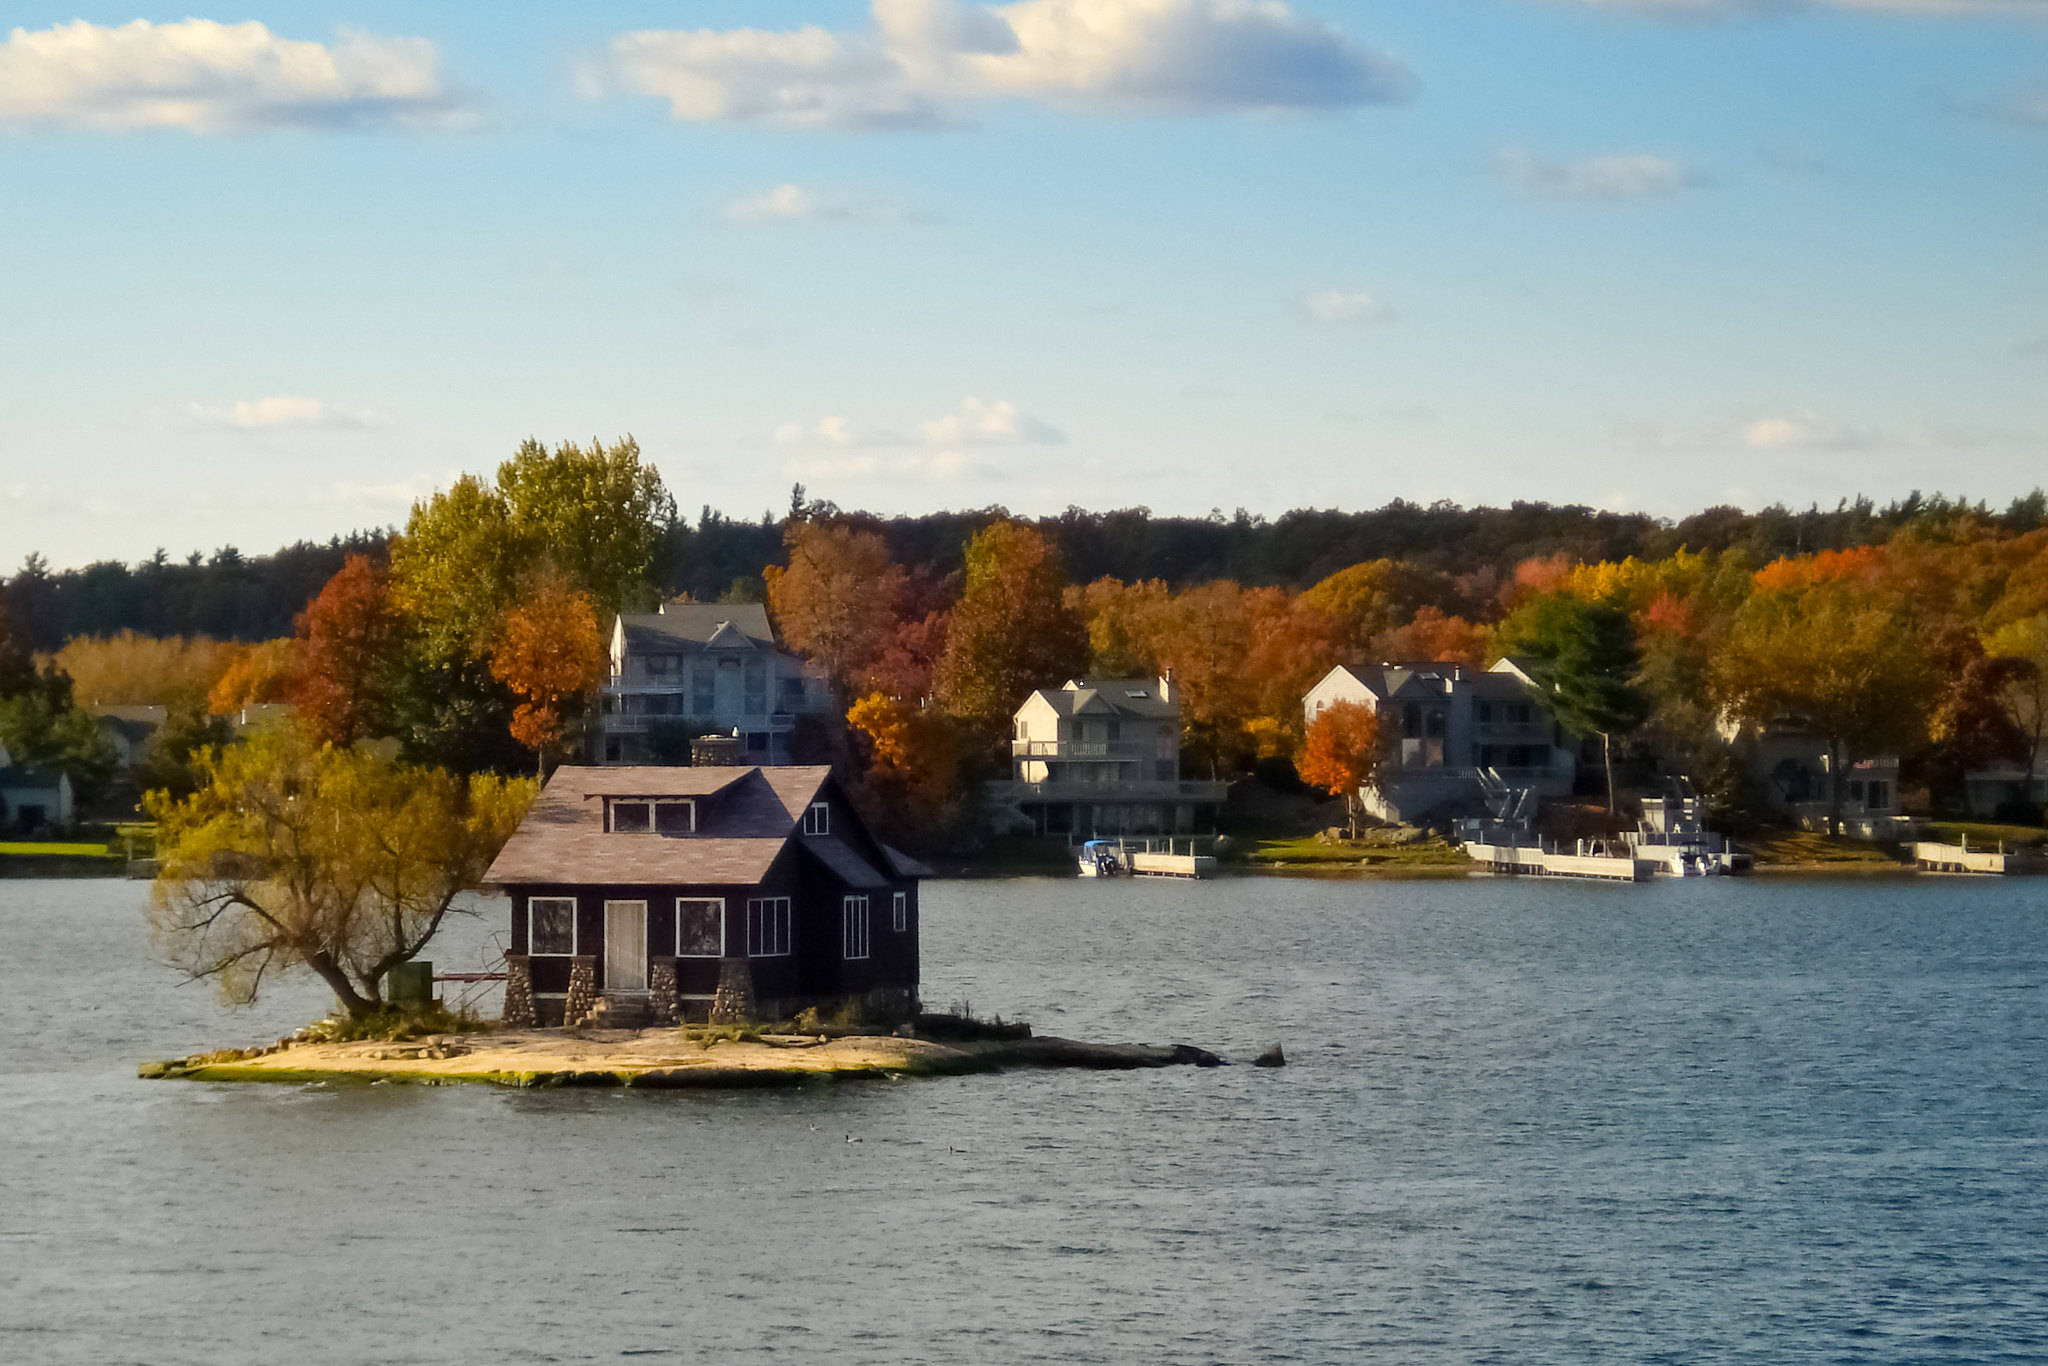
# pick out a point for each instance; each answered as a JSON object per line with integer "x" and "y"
{"x": 1758, "y": 1120}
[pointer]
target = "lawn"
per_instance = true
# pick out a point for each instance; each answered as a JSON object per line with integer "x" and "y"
{"x": 1306, "y": 851}
{"x": 1986, "y": 834}
{"x": 1782, "y": 847}
{"x": 56, "y": 849}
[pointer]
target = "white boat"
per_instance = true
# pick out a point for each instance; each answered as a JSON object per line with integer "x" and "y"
{"x": 1674, "y": 839}
{"x": 1100, "y": 858}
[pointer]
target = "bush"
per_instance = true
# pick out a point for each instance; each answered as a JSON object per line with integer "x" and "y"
{"x": 393, "y": 1024}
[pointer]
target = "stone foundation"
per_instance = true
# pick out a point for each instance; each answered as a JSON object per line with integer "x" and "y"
{"x": 734, "y": 1003}
{"x": 662, "y": 996}
{"x": 583, "y": 992}
{"x": 519, "y": 1012}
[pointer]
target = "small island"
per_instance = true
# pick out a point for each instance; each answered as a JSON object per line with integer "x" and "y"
{"x": 665, "y": 1059}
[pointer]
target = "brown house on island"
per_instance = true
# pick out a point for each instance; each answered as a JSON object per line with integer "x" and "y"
{"x": 657, "y": 895}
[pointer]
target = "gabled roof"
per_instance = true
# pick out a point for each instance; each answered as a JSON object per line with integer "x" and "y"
{"x": 1110, "y": 697}
{"x": 837, "y": 855}
{"x": 1428, "y": 678}
{"x": 682, "y": 626}
{"x": 38, "y": 776}
{"x": 744, "y": 821}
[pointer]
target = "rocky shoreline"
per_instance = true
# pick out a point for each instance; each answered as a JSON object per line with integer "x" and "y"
{"x": 659, "y": 1059}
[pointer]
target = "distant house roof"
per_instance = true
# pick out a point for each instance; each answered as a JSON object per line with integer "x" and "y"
{"x": 680, "y": 626}
{"x": 1128, "y": 696}
{"x": 744, "y": 822}
{"x": 1414, "y": 681}
{"x": 31, "y": 777}
{"x": 137, "y": 722}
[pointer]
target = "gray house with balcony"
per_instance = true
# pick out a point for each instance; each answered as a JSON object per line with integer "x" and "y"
{"x": 1101, "y": 756}
{"x": 1443, "y": 726}
{"x": 693, "y": 669}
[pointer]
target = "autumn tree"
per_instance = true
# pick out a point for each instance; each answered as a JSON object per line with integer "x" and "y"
{"x": 257, "y": 675}
{"x": 1370, "y": 599}
{"x": 2024, "y": 694}
{"x": 595, "y": 514}
{"x": 296, "y": 856}
{"x": 1011, "y": 630}
{"x": 1846, "y": 662}
{"x": 128, "y": 668}
{"x": 838, "y": 600}
{"x": 551, "y": 653}
{"x": 349, "y": 639}
{"x": 1340, "y": 753}
{"x": 914, "y": 759}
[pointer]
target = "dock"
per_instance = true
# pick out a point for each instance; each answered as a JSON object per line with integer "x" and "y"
{"x": 1533, "y": 860}
{"x": 1961, "y": 858}
{"x": 1172, "y": 865}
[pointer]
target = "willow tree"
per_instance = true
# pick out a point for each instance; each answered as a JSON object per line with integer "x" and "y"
{"x": 293, "y": 856}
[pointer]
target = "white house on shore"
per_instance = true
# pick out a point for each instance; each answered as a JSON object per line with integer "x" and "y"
{"x": 695, "y": 669}
{"x": 1443, "y": 725}
{"x": 1101, "y": 756}
{"x": 33, "y": 797}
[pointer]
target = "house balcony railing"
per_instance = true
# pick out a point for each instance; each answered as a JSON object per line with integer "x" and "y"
{"x": 1074, "y": 749}
{"x": 639, "y": 723}
{"x": 1154, "y": 790}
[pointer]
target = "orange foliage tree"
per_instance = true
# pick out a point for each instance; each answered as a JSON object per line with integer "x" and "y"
{"x": 838, "y": 601}
{"x": 1341, "y": 753}
{"x": 914, "y": 758}
{"x": 348, "y": 643}
{"x": 258, "y": 674}
{"x": 550, "y": 652}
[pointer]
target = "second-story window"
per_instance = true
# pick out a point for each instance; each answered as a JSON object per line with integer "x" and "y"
{"x": 757, "y": 687}
{"x": 704, "y": 689}
{"x": 818, "y": 820}
{"x": 659, "y": 666}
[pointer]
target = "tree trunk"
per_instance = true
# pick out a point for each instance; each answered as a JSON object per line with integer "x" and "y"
{"x": 1607, "y": 755}
{"x": 354, "y": 1002}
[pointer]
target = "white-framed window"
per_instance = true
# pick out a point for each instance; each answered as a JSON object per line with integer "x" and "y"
{"x": 767, "y": 926}
{"x": 634, "y": 816}
{"x": 899, "y": 912}
{"x": 675, "y": 818}
{"x": 700, "y": 927}
{"x": 853, "y": 927}
{"x": 818, "y": 820}
{"x": 551, "y": 926}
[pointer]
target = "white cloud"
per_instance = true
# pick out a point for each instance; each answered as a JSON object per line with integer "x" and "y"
{"x": 795, "y": 204}
{"x": 1344, "y": 306}
{"x": 835, "y": 431}
{"x": 1799, "y": 431}
{"x": 282, "y": 410}
{"x": 978, "y": 423}
{"x": 918, "y": 62}
{"x": 1623, "y": 176}
{"x": 203, "y": 77}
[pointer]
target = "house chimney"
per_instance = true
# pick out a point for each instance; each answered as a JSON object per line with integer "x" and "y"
{"x": 1166, "y": 692}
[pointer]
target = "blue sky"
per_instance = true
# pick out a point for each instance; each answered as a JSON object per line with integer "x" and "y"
{"x": 277, "y": 271}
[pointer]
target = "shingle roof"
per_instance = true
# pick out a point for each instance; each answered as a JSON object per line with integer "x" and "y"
{"x": 837, "y": 855}
{"x": 691, "y": 626}
{"x": 746, "y": 818}
{"x": 1129, "y": 696}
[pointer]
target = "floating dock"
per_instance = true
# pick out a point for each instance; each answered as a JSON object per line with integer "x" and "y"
{"x": 1533, "y": 860}
{"x": 1172, "y": 865}
{"x": 1961, "y": 858}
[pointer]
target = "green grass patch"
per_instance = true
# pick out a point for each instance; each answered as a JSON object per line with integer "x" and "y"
{"x": 1306, "y": 851}
{"x": 55, "y": 849}
{"x": 1986, "y": 834}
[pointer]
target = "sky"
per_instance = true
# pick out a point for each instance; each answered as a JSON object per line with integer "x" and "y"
{"x": 275, "y": 272}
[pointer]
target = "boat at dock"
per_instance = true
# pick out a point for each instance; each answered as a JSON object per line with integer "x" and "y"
{"x": 1142, "y": 858}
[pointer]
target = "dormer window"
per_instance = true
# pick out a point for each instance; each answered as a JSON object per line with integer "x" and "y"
{"x": 651, "y": 815}
{"x": 818, "y": 820}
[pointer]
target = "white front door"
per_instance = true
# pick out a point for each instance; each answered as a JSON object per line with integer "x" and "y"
{"x": 625, "y": 946}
